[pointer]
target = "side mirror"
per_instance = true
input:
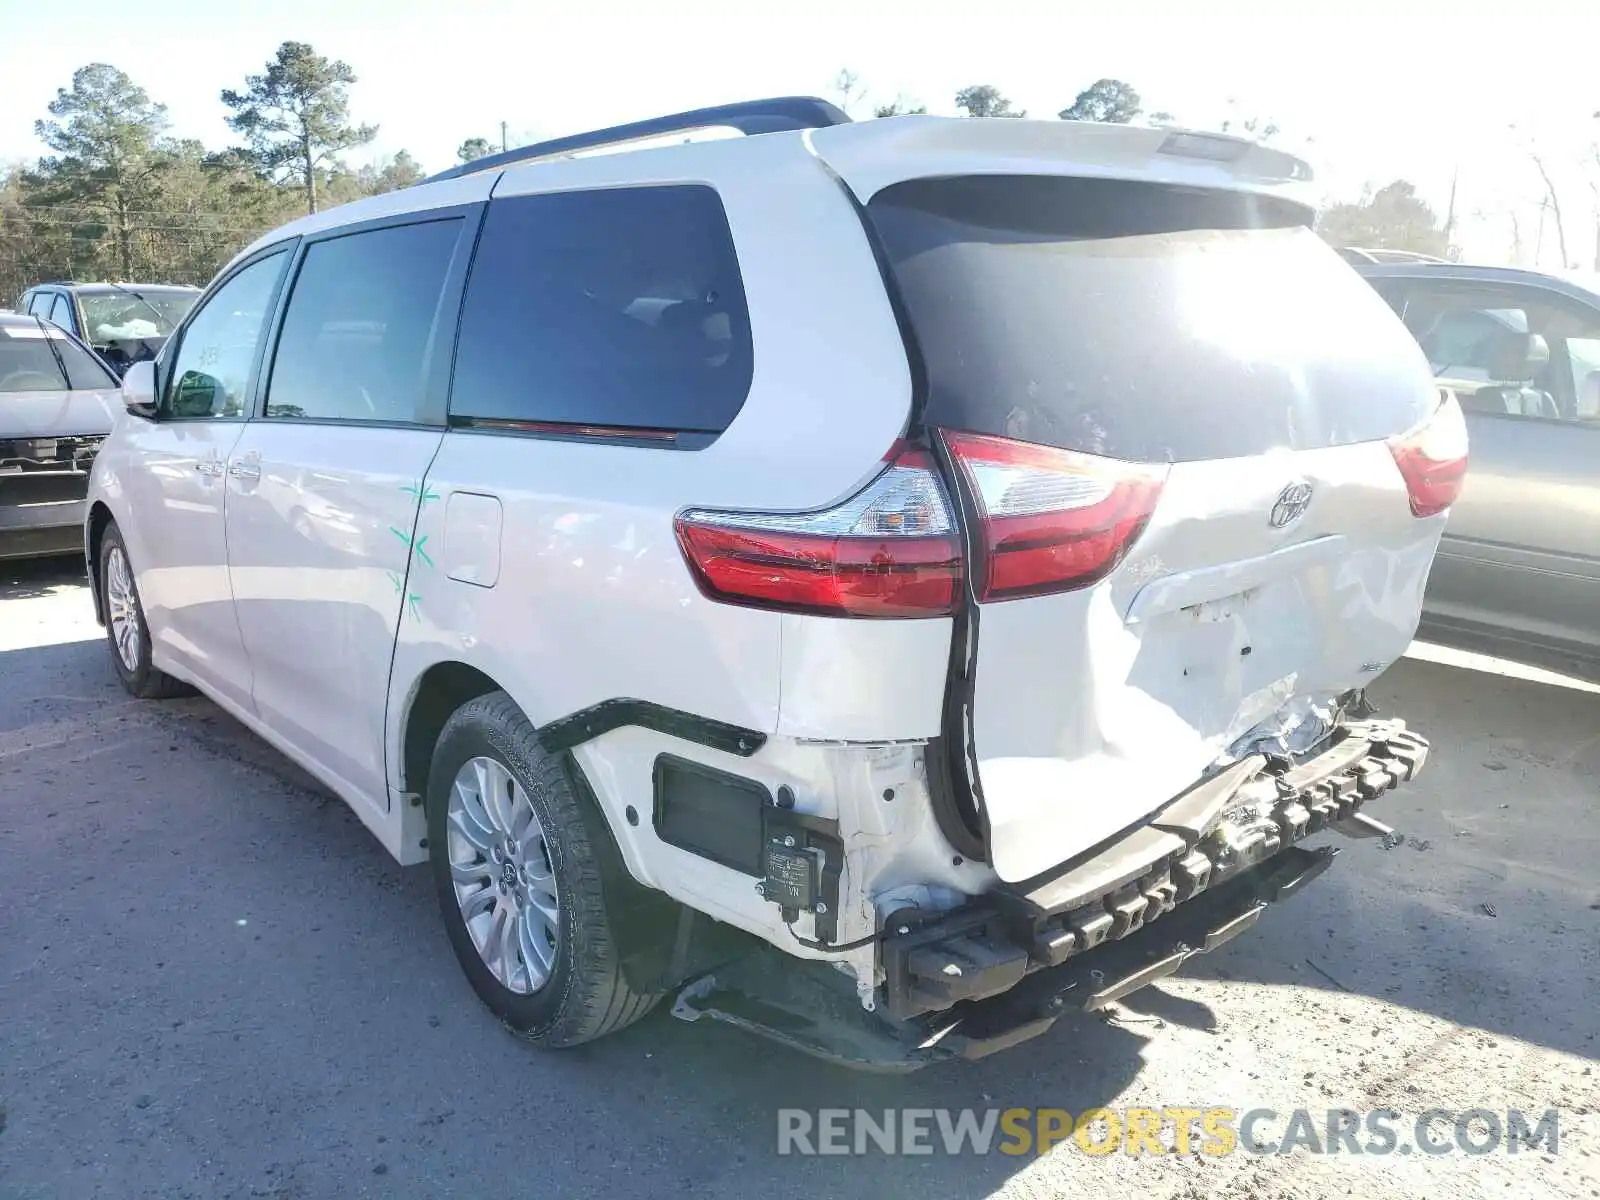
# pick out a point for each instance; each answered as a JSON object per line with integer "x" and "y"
{"x": 139, "y": 390}
{"x": 196, "y": 395}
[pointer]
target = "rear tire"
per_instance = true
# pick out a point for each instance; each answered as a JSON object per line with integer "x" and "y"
{"x": 127, "y": 631}
{"x": 526, "y": 888}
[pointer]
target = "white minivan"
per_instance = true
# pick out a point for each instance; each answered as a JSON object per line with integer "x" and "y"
{"x": 941, "y": 558}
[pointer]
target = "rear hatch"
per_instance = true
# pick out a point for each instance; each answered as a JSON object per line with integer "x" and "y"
{"x": 1201, "y": 469}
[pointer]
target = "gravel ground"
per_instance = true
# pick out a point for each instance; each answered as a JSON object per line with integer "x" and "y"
{"x": 214, "y": 983}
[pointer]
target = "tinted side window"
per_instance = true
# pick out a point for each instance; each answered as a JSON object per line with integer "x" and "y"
{"x": 620, "y": 308}
{"x": 27, "y": 362}
{"x": 211, "y": 373}
{"x": 357, "y": 330}
{"x": 38, "y": 357}
{"x": 1585, "y": 355}
{"x": 61, "y": 314}
{"x": 1510, "y": 352}
{"x": 40, "y": 304}
{"x": 83, "y": 369}
{"x": 1393, "y": 293}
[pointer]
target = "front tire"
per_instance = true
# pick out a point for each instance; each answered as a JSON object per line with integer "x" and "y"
{"x": 127, "y": 631}
{"x": 516, "y": 861}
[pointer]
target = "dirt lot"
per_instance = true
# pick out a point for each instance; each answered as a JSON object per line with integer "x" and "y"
{"x": 214, "y": 983}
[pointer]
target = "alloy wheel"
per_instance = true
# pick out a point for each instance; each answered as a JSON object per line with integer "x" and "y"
{"x": 503, "y": 876}
{"x": 122, "y": 608}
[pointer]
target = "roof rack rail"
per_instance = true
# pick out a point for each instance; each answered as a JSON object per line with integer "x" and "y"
{"x": 777, "y": 115}
{"x": 1385, "y": 255}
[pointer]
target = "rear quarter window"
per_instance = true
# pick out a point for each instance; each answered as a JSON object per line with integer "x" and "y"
{"x": 620, "y": 309}
{"x": 1142, "y": 321}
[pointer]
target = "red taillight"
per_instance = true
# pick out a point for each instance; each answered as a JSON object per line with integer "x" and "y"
{"x": 1051, "y": 520}
{"x": 1433, "y": 459}
{"x": 889, "y": 551}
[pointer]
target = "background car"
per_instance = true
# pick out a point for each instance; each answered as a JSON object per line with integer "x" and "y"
{"x": 1518, "y": 572}
{"x": 57, "y": 403}
{"x": 124, "y": 322}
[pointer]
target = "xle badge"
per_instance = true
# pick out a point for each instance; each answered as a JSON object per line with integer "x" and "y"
{"x": 1291, "y": 504}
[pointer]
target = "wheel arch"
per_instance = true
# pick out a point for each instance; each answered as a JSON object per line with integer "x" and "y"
{"x": 438, "y": 692}
{"x": 100, "y": 516}
{"x": 657, "y": 947}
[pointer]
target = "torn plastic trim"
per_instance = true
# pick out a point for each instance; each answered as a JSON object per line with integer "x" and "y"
{"x": 586, "y": 724}
{"x": 969, "y": 982}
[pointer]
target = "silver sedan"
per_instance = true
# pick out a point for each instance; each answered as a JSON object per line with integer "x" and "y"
{"x": 57, "y": 403}
{"x": 1518, "y": 572}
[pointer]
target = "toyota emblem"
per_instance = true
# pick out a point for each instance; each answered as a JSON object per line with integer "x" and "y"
{"x": 1291, "y": 504}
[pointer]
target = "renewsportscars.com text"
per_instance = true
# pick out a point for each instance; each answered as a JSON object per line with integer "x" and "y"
{"x": 1211, "y": 1131}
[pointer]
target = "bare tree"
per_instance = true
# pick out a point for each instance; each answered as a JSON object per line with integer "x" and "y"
{"x": 1554, "y": 204}
{"x": 1257, "y": 128}
{"x": 1594, "y": 187}
{"x": 848, "y": 87}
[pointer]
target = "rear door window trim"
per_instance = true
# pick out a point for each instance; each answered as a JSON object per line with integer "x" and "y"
{"x": 431, "y": 411}
{"x": 174, "y": 345}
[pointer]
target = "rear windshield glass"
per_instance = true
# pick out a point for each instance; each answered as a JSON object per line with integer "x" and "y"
{"x": 1141, "y": 321}
{"x": 27, "y": 363}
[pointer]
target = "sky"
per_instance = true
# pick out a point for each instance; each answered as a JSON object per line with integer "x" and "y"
{"x": 1434, "y": 92}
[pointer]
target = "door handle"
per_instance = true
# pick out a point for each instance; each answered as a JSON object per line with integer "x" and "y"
{"x": 210, "y": 467}
{"x": 247, "y": 471}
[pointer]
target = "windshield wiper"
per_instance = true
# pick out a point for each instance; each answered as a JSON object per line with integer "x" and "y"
{"x": 61, "y": 363}
{"x": 161, "y": 317}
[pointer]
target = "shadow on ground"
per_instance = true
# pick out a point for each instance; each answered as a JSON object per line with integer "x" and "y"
{"x": 214, "y": 967}
{"x": 1488, "y": 913}
{"x": 27, "y": 578}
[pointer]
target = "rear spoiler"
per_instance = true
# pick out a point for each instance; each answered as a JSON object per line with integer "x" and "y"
{"x": 871, "y": 155}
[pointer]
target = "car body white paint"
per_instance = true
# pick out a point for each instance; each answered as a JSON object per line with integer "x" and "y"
{"x": 871, "y": 155}
{"x": 180, "y": 545}
{"x": 562, "y": 580}
{"x": 319, "y": 526}
{"x": 1094, "y": 707}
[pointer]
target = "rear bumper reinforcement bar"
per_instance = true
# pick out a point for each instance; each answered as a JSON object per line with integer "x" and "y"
{"x": 808, "y": 1006}
{"x": 1218, "y": 829}
{"x": 974, "y": 980}
{"x": 1239, "y": 817}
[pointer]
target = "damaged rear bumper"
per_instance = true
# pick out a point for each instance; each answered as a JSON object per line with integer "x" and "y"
{"x": 1003, "y": 969}
{"x": 1218, "y": 829}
